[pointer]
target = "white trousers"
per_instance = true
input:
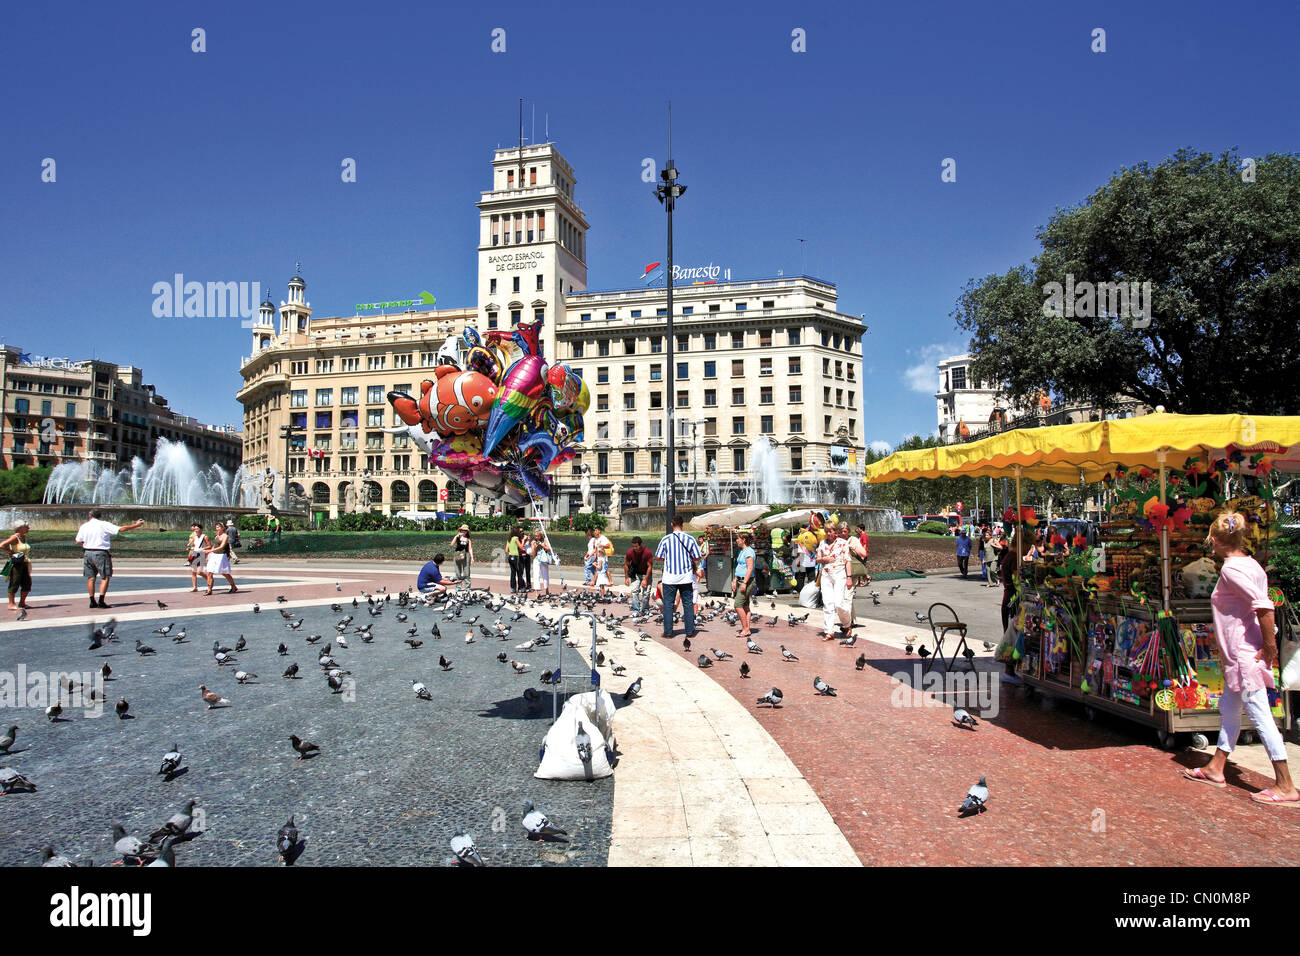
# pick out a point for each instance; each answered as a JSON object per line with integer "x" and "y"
{"x": 833, "y": 592}
{"x": 1257, "y": 710}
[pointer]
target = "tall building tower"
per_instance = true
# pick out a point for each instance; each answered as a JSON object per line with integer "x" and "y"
{"x": 264, "y": 328}
{"x": 295, "y": 315}
{"x": 532, "y": 241}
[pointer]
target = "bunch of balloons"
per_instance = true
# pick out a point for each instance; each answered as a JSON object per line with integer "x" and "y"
{"x": 815, "y": 531}
{"x": 497, "y": 423}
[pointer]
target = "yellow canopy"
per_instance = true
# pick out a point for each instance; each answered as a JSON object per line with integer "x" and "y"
{"x": 1088, "y": 450}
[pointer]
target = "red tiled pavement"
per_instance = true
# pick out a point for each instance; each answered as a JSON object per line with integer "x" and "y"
{"x": 893, "y": 776}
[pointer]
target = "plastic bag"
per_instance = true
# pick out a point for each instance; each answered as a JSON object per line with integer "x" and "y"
{"x": 1289, "y": 660}
{"x": 810, "y": 595}
{"x": 1007, "y": 646}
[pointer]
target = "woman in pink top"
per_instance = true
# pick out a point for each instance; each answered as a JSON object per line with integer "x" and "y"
{"x": 1243, "y": 625}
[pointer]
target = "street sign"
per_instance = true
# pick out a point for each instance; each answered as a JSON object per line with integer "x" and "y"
{"x": 442, "y": 494}
{"x": 959, "y": 507}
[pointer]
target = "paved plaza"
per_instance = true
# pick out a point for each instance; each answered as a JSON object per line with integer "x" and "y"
{"x": 705, "y": 776}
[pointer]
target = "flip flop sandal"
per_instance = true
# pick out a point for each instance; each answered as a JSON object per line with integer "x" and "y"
{"x": 1198, "y": 776}
{"x": 1271, "y": 799}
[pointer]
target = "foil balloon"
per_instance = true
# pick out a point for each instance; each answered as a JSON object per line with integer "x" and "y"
{"x": 523, "y": 388}
{"x": 568, "y": 390}
{"x": 462, "y": 400}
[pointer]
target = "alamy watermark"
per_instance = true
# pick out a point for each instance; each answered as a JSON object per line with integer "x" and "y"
{"x": 1121, "y": 300}
{"x": 39, "y": 690}
{"x": 976, "y": 691}
{"x": 206, "y": 300}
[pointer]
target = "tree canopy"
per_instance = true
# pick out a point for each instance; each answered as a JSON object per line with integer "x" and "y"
{"x": 1222, "y": 254}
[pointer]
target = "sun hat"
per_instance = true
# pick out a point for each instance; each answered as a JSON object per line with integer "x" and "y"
{"x": 463, "y": 527}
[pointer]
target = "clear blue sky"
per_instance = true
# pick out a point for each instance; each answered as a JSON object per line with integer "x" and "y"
{"x": 225, "y": 165}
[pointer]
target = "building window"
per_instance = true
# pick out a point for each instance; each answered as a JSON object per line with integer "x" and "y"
{"x": 602, "y": 402}
{"x": 602, "y": 463}
{"x": 348, "y": 396}
{"x": 350, "y": 364}
{"x": 959, "y": 377}
{"x": 610, "y": 316}
{"x": 585, "y": 317}
{"x": 402, "y": 361}
{"x": 656, "y": 343}
{"x": 324, "y": 396}
{"x": 297, "y": 368}
{"x": 839, "y": 369}
{"x": 738, "y": 460}
{"x": 324, "y": 365}
{"x": 71, "y": 410}
{"x": 541, "y": 283}
{"x": 602, "y": 348}
{"x": 492, "y": 283}
{"x": 656, "y": 459}
{"x": 629, "y": 346}
{"x": 656, "y": 373}
{"x": 796, "y": 394}
{"x": 710, "y": 369}
{"x": 683, "y": 399}
{"x": 765, "y": 395}
{"x": 765, "y": 424}
{"x": 765, "y": 366}
{"x": 796, "y": 365}
{"x": 629, "y": 462}
{"x": 737, "y": 340}
{"x": 325, "y": 420}
{"x": 738, "y": 396}
{"x": 661, "y": 312}
{"x": 793, "y": 336}
{"x": 629, "y": 403}
{"x": 656, "y": 399}
{"x": 738, "y": 425}
{"x": 710, "y": 341}
{"x": 683, "y": 371}
{"x": 629, "y": 373}
{"x": 636, "y": 313}
{"x": 796, "y": 459}
{"x": 688, "y": 310}
{"x": 765, "y": 338}
{"x": 826, "y": 367}
{"x": 737, "y": 368}
{"x": 515, "y": 286}
{"x": 683, "y": 343}
{"x": 796, "y": 423}
{"x": 742, "y": 306}
{"x": 710, "y": 397}
{"x": 602, "y": 375}
{"x": 629, "y": 429}
{"x": 297, "y": 399}
{"x": 375, "y": 418}
{"x": 577, "y": 350}
{"x": 375, "y": 363}
{"x": 826, "y": 424}
{"x": 374, "y": 395}
{"x": 656, "y": 428}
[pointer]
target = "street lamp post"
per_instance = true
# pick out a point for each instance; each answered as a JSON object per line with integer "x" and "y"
{"x": 287, "y": 432}
{"x": 667, "y": 193}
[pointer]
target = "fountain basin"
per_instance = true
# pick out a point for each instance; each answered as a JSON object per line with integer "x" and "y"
{"x": 876, "y": 519}
{"x": 70, "y": 517}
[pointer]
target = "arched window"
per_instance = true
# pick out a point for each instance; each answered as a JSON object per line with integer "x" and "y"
{"x": 399, "y": 493}
{"x": 455, "y": 491}
{"x": 428, "y": 494}
{"x": 320, "y": 493}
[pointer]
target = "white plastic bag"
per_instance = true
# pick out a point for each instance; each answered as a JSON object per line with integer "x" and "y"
{"x": 593, "y": 712}
{"x": 810, "y": 595}
{"x": 1289, "y": 659}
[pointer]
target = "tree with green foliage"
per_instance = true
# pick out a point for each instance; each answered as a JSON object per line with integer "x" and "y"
{"x": 1219, "y": 241}
{"x": 23, "y": 485}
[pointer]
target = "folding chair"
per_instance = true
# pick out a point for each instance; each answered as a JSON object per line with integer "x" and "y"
{"x": 939, "y": 630}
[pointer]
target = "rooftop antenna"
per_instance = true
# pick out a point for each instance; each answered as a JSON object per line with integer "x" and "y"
{"x": 803, "y": 259}
{"x": 547, "y": 125}
{"x": 532, "y": 135}
{"x": 521, "y": 142}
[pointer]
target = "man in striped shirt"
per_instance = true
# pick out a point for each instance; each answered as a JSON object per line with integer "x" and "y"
{"x": 680, "y": 555}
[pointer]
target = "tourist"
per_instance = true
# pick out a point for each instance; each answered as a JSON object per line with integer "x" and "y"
{"x": 638, "y": 565}
{"x": 993, "y": 548}
{"x": 194, "y": 554}
{"x": 525, "y": 559}
{"x": 430, "y": 579}
{"x": 833, "y": 556}
{"x": 589, "y": 560}
{"x": 858, "y": 557}
{"x": 543, "y": 558}
{"x": 963, "y": 552}
{"x": 96, "y": 540}
{"x": 1244, "y": 627}
{"x": 681, "y": 556}
{"x": 464, "y": 550}
{"x": 859, "y": 552}
{"x": 235, "y": 544}
{"x": 805, "y": 564}
{"x": 514, "y": 554}
{"x": 219, "y": 559}
{"x": 19, "y": 566}
{"x": 743, "y": 583}
{"x": 273, "y": 527}
{"x": 604, "y": 549}
{"x": 981, "y": 546}
{"x": 1014, "y": 553}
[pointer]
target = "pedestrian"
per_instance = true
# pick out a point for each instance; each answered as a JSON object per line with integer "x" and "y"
{"x": 981, "y": 553}
{"x": 638, "y": 568}
{"x": 513, "y": 556}
{"x": 96, "y": 540}
{"x": 543, "y": 558}
{"x": 463, "y": 548}
{"x": 805, "y": 564}
{"x": 1244, "y": 626}
{"x": 235, "y": 544}
{"x": 273, "y": 527}
{"x": 833, "y": 558}
{"x": 742, "y": 581}
{"x": 194, "y": 554}
{"x": 681, "y": 556}
{"x": 604, "y": 550}
{"x": 526, "y": 556}
{"x": 963, "y": 552}
{"x": 1014, "y": 554}
{"x": 589, "y": 560}
{"x": 698, "y": 586}
{"x": 430, "y": 579}
{"x": 861, "y": 576}
{"x": 18, "y": 567}
{"x": 218, "y": 554}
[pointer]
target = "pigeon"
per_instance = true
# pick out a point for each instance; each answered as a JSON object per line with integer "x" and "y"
{"x": 617, "y": 669}
{"x": 8, "y": 739}
{"x": 257, "y": 609}
{"x": 444, "y": 663}
{"x": 923, "y": 651}
{"x": 720, "y": 655}
{"x": 179, "y": 636}
{"x": 50, "y": 858}
{"x": 338, "y": 586}
{"x": 286, "y": 841}
{"x": 469, "y": 637}
{"x": 130, "y": 848}
{"x": 414, "y": 643}
{"x": 773, "y": 697}
{"x": 519, "y": 667}
{"x": 976, "y": 797}
{"x": 287, "y": 615}
{"x": 582, "y": 740}
{"x": 402, "y": 618}
{"x": 525, "y": 646}
{"x": 823, "y": 688}
{"x": 861, "y": 662}
{"x": 752, "y": 646}
{"x": 537, "y": 825}
{"x": 849, "y": 641}
{"x": 968, "y": 654}
{"x": 165, "y": 629}
{"x": 122, "y": 707}
{"x": 143, "y": 649}
{"x": 171, "y": 761}
{"x": 637, "y": 649}
{"x": 282, "y": 650}
{"x": 294, "y": 625}
{"x": 22, "y": 614}
{"x": 177, "y": 825}
{"x": 788, "y": 654}
{"x": 326, "y": 661}
{"x": 244, "y": 676}
{"x": 462, "y": 844}
{"x": 304, "y": 747}
{"x": 435, "y": 633}
{"x": 686, "y": 644}
{"x": 240, "y": 644}
{"x": 54, "y": 711}
{"x": 703, "y": 661}
{"x": 166, "y": 855}
{"x": 744, "y": 669}
{"x": 421, "y": 691}
{"x": 335, "y": 682}
{"x": 105, "y": 671}
{"x": 223, "y": 659}
{"x": 281, "y": 599}
{"x": 633, "y": 690}
{"x": 11, "y": 781}
{"x": 920, "y": 618}
{"x": 211, "y": 699}
{"x": 555, "y": 677}
{"x": 963, "y": 718}
{"x": 336, "y": 608}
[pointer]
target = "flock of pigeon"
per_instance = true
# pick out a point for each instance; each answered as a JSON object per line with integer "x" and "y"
{"x": 485, "y": 617}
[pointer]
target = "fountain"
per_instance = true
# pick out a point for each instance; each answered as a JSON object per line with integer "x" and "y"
{"x": 713, "y": 487}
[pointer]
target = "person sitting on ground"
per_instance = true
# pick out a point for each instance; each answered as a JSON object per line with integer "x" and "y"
{"x": 430, "y": 579}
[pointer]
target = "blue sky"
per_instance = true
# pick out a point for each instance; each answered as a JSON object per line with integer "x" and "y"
{"x": 225, "y": 165}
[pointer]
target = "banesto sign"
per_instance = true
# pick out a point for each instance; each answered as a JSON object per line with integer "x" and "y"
{"x": 516, "y": 261}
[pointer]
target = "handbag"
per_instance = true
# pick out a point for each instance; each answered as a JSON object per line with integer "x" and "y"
{"x": 4, "y": 572}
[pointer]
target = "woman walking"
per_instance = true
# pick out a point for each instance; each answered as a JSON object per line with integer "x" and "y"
{"x": 219, "y": 560}
{"x": 742, "y": 582}
{"x": 544, "y": 558}
{"x": 833, "y": 556}
{"x": 194, "y": 555}
{"x": 463, "y": 548}
{"x": 1244, "y": 627}
{"x": 527, "y": 554}
{"x": 19, "y": 566}
{"x": 513, "y": 552}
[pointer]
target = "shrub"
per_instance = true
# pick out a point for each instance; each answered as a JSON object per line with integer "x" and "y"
{"x": 933, "y": 527}
{"x": 582, "y": 522}
{"x": 23, "y": 485}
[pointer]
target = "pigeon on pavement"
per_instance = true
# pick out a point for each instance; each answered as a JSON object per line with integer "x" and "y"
{"x": 211, "y": 699}
{"x": 462, "y": 844}
{"x": 244, "y": 676}
{"x": 976, "y": 797}
{"x": 286, "y": 841}
{"x": 177, "y": 825}
{"x": 823, "y": 688}
{"x": 861, "y": 662}
{"x": 720, "y": 655}
{"x": 788, "y": 654}
{"x": 11, "y": 781}
{"x": 744, "y": 669}
{"x": 421, "y": 691}
{"x": 7, "y": 740}
{"x": 773, "y": 697}
{"x": 171, "y": 761}
{"x": 537, "y": 825}
{"x": 633, "y": 690}
{"x": 963, "y": 718}
{"x": 143, "y": 649}
{"x": 703, "y": 661}
{"x": 130, "y": 848}
{"x": 304, "y": 747}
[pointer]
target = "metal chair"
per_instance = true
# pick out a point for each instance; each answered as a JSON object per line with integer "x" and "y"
{"x": 940, "y": 629}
